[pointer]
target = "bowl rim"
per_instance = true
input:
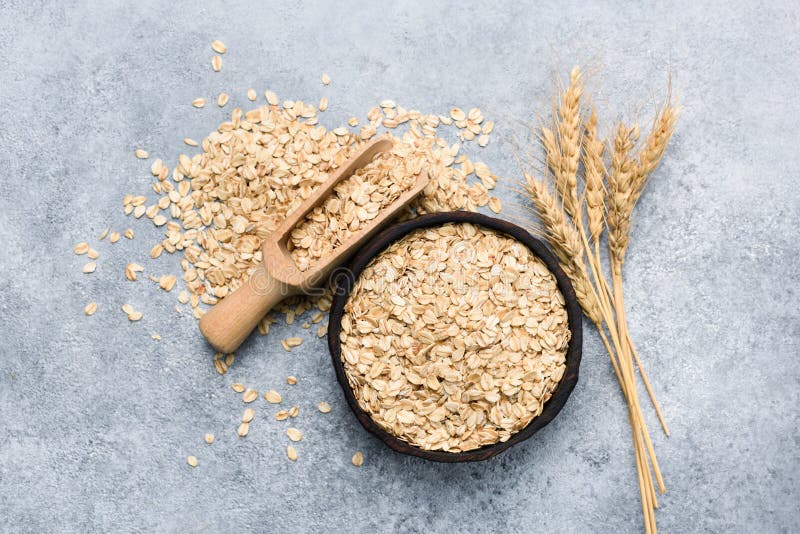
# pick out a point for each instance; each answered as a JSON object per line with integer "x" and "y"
{"x": 344, "y": 279}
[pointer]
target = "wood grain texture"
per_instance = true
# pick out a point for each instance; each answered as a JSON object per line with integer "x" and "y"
{"x": 345, "y": 278}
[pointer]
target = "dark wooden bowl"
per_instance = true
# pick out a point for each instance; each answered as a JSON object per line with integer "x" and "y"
{"x": 345, "y": 278}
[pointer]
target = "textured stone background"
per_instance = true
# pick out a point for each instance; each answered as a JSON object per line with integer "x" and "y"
{"x": 96, "y": 419}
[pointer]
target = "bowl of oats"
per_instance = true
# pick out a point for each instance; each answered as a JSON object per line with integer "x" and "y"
{"x": 455, "y": 336}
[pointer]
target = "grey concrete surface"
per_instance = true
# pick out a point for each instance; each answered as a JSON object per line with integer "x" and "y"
{"x": 96, "y": 419}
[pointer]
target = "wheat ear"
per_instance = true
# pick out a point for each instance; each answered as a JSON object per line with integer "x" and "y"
{"x": 569, "y": 114}
{"x": 594, "y": 171}
{"x": 620, "y": 184}
{"x": 566, "y": 242}
{"x": 653, "y": 150}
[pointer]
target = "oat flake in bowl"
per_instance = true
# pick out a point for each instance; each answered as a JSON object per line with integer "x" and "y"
{"x": 454, "y": 337}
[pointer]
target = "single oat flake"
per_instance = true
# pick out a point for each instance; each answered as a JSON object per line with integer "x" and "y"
{"x": 248, "y": 415}
{"x": 272, "y": 396}
{"x": 291, "y": 453}
{"x": 209, "y": 438}
{"x": 192, "y": 461}
{"x": 90, "y": 308}
{"x": 294, "y": 434}
{"x": 358, "y": 459}
{"x": 218, "y": 47}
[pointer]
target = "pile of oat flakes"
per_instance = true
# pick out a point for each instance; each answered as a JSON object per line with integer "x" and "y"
{"x": 454, "y": 337}
{"x": 217, "y": 205}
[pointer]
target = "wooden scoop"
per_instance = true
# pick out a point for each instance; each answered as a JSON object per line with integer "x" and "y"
{"x": 230, "y": 321}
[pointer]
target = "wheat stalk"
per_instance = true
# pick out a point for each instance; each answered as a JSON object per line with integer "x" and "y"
{"x": 566, "y": 144}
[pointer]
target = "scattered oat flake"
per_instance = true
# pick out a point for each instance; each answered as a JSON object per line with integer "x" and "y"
{"x": 104, "y": 233}
{"x": 248, "y": 415}
{"x": 90, "y": 267}
{"x": 191, "y": 460}
{"x": 249, "y": 396}
{"x": 291, "y": 380}
{"x": 322, "y": 330}
{"x": 282, "y": 415}
{"x": 114, "y": 237}
{"x": 199, "y": 102}
{"x": 294, "y": 411}
{"x": 291, "y": 453}
{"x": 155, "y": 336}
{"x": 243, "y": 429}
{"x": 323, "y": 103}
{"x": 222, "y": 99}
{"x": 189, "y": 141}
{"x": 90, "y": 308}
{"x": 141, "y": 154}
{"x": 167, "y": 282}
{"x": 209, "y": 438}
{"x": 218, "y": 46}
{"x": 252, "y": 95}
{"x": 81, "y": 248}
{"x": 294, "y": 434}
{"x": 326, "y": 79}
{"x": 216, "y": 63}
{"x": 237, "y": 387}
{"x": 358, "y": 459}
{"x": 93, "y": 254}
{"x": 294, "y": 341}
{"x": 494, "y": 204}
{"x": 272, "y": 396}
{"x": 271, "y": 97}
{"x": 131, "y": 269}
{"x": 324, "y": 407}
{"x": 483, "y": 140}
{"x": 457, "y": 114}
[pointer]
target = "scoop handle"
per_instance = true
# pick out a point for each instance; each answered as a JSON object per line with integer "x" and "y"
{"x": 228, "y": 323}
